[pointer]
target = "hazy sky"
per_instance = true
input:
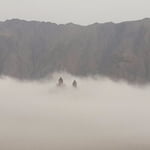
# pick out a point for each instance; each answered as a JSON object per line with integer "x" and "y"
{"x": 76, "y": 11}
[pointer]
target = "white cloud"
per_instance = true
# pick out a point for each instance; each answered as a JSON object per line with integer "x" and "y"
{"x": 100, "y": 114}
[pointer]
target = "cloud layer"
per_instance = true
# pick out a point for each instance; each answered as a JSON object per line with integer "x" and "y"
{"x": 99, "y": 114}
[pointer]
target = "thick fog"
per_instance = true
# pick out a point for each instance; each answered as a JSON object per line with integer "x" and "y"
{"x": 99, "y": 114}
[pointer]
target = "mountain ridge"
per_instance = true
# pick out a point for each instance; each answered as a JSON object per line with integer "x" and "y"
{"x": 72, "y": 23}
{"x": 33, "y": 49}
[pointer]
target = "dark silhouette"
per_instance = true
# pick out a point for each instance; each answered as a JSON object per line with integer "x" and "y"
{"x": 60, "y": 81}
{"x": 74, "y": 84}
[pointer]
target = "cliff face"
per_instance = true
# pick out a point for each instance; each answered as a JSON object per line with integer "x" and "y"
{"x": 32, "y": 50}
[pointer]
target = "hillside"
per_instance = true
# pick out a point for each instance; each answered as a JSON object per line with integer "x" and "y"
{"x": 33, "y": 50}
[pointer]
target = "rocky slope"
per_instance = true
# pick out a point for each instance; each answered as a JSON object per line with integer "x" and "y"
{"x": 32, "y": 50}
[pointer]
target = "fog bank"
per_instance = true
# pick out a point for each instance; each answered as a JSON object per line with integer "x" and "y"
{"x": 99, "y": 114}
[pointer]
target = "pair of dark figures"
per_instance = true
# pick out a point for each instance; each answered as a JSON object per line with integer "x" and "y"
{"x": 61, "y": 82}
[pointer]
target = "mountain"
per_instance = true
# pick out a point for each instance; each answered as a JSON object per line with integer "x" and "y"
{"x": 33, "y": 50}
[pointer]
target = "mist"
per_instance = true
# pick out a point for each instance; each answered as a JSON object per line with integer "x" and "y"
{"x": 99, "y": 114}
